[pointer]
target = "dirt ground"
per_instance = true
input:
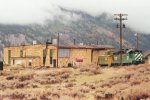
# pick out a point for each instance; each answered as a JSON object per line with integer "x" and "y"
{"x": 84, "y": 83}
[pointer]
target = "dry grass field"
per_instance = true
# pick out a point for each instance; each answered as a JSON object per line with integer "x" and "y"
{"x": 84, "y": 83}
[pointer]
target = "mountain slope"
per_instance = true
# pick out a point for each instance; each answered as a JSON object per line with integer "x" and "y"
{"x": 82, "y": 27}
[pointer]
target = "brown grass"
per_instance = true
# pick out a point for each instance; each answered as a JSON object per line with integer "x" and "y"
{"x": 84, "y": 83}
{"x": 90, "y": 70}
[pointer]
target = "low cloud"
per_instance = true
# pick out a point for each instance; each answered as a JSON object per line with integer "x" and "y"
{"x": 37, "y": 11}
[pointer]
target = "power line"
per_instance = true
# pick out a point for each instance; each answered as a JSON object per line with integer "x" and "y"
{"x": 121, "y": 18}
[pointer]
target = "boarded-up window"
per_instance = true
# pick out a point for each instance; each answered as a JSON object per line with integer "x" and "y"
{"x": 44, "y": 52}
{"x": 9, "y": 56}
{"x": 64, "y": 53}
{"x": 21, "y": 53}
{"x": 44, "y": 56}
{"x": 19, "y": 62}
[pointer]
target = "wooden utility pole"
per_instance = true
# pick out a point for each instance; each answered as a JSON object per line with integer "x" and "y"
{"x": 97, "y": 42}
{"x": 121, "y": 18}
{"x": 57, "y": 49}
{"x": 45, "y": 53}
{"x": 137, "y": 41}
{"x": 74, "y": 41}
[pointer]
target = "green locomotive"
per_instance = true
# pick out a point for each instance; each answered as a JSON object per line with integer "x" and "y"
{"x": 128, "y": 57}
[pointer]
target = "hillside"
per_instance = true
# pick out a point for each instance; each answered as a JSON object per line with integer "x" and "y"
{"x": 80, "y": 26}
{"x": 84, "y": 83}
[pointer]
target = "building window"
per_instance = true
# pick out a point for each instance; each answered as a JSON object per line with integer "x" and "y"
{"x": 44, "y": 56}
{"x": 64, "y": 53}
{"x": 51, "y": 55}
{"x": 21, "y": 53}
{"x": 9, "y": 56}
{"x": 19, "y": 62}
{"x": 44, "y": 52}
{"x": 13, "y": 61}
{"x": 30, "y": 62}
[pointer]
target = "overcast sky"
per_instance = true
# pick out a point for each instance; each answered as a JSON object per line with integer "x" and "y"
{"x": 36, "y": 11}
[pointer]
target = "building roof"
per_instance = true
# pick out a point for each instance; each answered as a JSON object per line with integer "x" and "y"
{"x": 96, "y": 47}
{"x": 85, "y": 46}
{"x": 24, "y": 45}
